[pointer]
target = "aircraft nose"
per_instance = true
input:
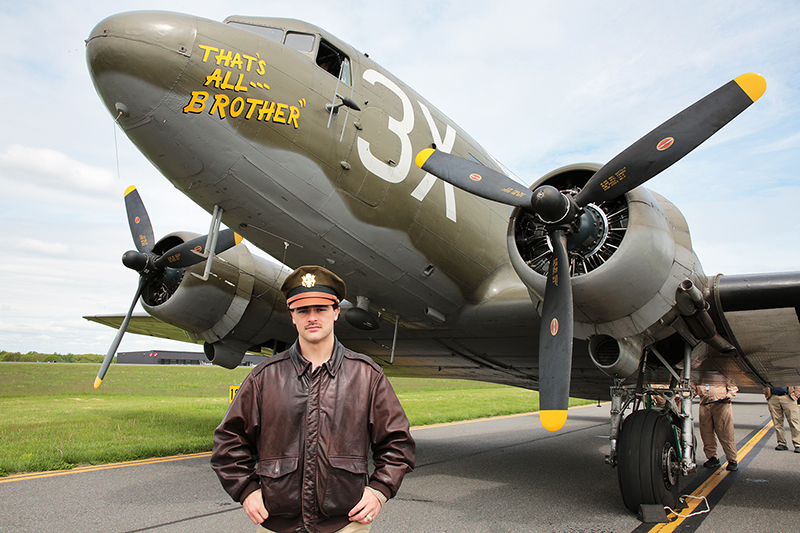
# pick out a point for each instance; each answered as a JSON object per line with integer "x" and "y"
{"x": 136, "y": 59}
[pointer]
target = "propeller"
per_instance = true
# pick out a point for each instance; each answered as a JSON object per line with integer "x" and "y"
{"x": 563, "y": 214}
{"x": 151, "y": 266}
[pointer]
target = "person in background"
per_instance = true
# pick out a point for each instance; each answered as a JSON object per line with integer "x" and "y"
{"x": 782, "y": 402}
{"x": 716, "y": 420}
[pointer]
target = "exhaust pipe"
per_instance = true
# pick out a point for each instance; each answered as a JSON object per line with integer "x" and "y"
{"x": 694, "y": 309}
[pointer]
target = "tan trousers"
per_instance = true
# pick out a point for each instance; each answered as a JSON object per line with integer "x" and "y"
{"x": 780, "y": 406}
{"x": 352, "y": 527}
{"x": 716, "y": 419}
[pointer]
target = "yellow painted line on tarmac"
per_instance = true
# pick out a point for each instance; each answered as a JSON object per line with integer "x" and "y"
{"x": 709, "y": 485}
{"x": 95, "y": 468}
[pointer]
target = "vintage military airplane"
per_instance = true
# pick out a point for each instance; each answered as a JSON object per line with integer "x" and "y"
{"x": 587, "y": 286}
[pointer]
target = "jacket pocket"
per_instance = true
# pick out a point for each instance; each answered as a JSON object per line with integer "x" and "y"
{"x": 280, "y": 486}
{"x": 345, "y": 484}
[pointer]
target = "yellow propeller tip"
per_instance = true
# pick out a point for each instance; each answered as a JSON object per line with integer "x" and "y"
{"x": 553, "y": 420}
{"x": 237, "y": 238}
{"x": 130, "y": 190}
{"x": 97, "y": 382}
{"x": 752, "y": 84}
{"x": 423, "y": 156}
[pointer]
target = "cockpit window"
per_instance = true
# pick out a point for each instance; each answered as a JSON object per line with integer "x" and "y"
{"x": 273, "y": 34}
{"x": 302, "y": 42}
{"x": 329, "y": 58}
{"x": 333, "y": 61}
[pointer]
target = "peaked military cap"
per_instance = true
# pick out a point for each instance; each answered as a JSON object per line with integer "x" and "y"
{"x": 313, "y": 285}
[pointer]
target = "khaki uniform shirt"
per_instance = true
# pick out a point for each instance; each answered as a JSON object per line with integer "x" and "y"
{"x": 710, "y": 393}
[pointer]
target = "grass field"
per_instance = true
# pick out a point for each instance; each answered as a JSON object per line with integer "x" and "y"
{"x": 52, "y": 418}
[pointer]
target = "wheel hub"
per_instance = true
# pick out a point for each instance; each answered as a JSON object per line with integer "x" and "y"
{"x": 670, "y": 465}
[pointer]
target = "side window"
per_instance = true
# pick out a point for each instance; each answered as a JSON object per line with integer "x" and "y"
{"x": 334, "y": 61}
{"x": 302, "y": 42}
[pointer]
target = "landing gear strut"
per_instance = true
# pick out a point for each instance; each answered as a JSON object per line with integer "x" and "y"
{"x": 653, "y": 447}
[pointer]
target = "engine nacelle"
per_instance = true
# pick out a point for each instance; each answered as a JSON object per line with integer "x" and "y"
{"x": 225, "y": 353}
{"x": 624, "y": 274}
{"x": 238, "y": 308}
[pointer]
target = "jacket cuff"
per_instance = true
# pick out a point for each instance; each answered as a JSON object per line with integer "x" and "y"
{"x": 378, "y": 494}
{"x": 248, "y": 490}
{"x": 380, "y": 487}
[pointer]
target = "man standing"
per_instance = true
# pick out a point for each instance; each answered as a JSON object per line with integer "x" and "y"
{"x": 716, "y": 421}
{"x": 293, "y": 447}
{"x": 782, "y": 401}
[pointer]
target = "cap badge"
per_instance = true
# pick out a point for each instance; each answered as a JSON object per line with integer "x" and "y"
{"x": 309, "y": 280}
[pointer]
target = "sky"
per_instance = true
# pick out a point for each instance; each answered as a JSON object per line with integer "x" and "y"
{"x": 540, "y": 84}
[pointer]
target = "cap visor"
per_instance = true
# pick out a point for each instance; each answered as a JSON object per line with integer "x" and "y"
{"x": 303, "y": 300}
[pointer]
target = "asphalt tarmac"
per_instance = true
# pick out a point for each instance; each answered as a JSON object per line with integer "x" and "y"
{"x": 498, "y": 475}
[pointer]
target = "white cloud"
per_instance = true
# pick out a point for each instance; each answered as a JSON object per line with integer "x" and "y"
{"x": 53, "y": 170}
{"x": 40, "y": 248}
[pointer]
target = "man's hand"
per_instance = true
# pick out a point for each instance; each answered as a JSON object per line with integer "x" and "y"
{"x": 367, "y": 509}
{"x": 253, "y": 505}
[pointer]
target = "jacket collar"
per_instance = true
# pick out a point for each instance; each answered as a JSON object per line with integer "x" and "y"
{"x": 302, "y": 365}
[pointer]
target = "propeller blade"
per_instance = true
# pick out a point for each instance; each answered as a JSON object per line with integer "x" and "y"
{"x": 672, "y": 140}
{"x": 474, "y": 178}
{"x": 555, "y": 338}
{"x": 184, "y": 255}
{"x": 118, "y": 338}
{"x": 138, "y": 221}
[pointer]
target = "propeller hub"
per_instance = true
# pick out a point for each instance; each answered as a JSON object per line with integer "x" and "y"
{"x": 590, "y": 232}
{"x": 550, "y": 204}
{"x": 135, "y": 260}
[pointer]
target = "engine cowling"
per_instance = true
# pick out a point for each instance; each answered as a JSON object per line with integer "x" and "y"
{"x": 238, "y": 308}
{"x": 624, "y": 271}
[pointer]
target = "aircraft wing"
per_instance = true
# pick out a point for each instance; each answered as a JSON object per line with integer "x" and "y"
{"x": 493, "y": 355}
{"x": 144, "y": 324}
{"x": 760, "y": 312}
{"x": 756, "y": 312}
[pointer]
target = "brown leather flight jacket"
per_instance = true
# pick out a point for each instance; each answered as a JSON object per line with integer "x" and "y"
{"x": 304, "y": 437}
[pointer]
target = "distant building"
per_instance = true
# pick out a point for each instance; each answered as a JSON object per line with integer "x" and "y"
{"x": 165, "y": 357}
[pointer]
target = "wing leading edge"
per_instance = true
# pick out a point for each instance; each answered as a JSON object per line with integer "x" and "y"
{"x": 760, "y": 314}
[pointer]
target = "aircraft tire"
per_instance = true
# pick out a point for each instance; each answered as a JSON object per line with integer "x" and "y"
{"x": 647, "y": 455}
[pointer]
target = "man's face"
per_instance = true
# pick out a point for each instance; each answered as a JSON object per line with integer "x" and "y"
{"x": 315, "y": 323}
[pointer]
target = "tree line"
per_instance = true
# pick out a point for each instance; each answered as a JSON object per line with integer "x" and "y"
{"x": 36, "y": 357}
